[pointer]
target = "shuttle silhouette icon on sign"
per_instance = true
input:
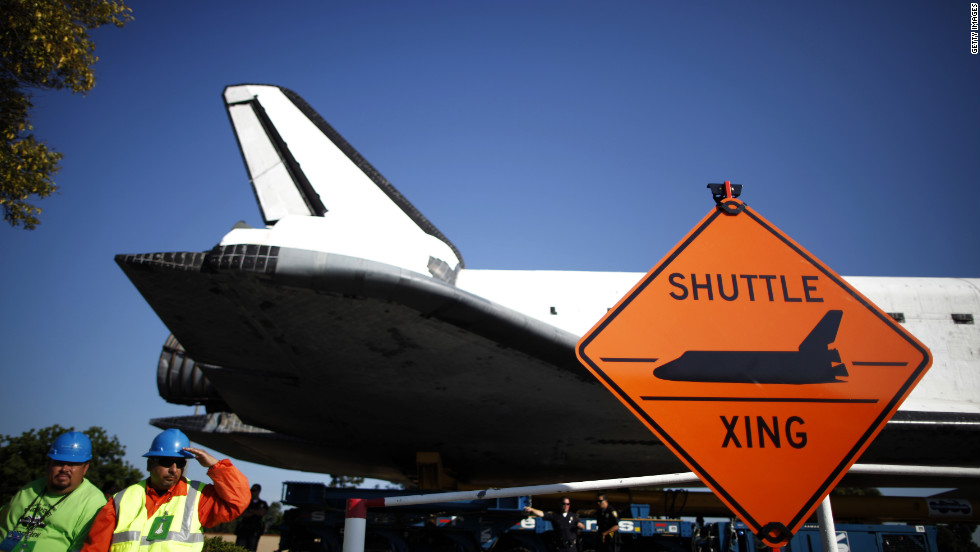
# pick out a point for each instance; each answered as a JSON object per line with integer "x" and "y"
{"x": 814, "y": 362}
{"x": 764, "y": 371}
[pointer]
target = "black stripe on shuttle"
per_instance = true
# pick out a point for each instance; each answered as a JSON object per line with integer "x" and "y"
{"x": 616, "y": 359}
{"x": 306, "y": 191}
{"x": 380, "y": 181}
{"x": 857, "y": 363}
{"x": 761, "y": 400}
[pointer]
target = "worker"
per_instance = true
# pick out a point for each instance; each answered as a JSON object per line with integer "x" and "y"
{"x": 566, "y": 526}
{"x": 54, "y": 512}
{"x": 607, "y": 521}
{"x": 166, "y": 512}
{"x": 250, "y": 525}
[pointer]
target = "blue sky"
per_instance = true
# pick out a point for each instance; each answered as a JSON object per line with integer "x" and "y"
{"x": 534, "y": 134}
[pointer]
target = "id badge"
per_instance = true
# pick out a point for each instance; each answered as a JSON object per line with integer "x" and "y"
{"x": 160, "y": 528}
{"x": 13, "y": 540}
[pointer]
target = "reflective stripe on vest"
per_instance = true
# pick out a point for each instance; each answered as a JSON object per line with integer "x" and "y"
{"x": 132, "y": 527}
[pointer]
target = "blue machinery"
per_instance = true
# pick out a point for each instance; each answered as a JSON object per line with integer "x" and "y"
{"x": 735, "y": 537}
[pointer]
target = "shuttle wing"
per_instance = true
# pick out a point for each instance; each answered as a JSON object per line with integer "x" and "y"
{"x": 347, "y": 337}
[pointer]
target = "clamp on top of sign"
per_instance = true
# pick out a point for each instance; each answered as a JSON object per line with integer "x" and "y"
{"x": 725, "y": 194}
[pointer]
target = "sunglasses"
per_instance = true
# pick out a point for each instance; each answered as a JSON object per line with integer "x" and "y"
{"x": 65, "y": 464}
{"x": 167, "y": 462}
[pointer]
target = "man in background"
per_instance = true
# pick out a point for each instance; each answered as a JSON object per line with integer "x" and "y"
{"x": 250, "y": 524}
{"x": 566, "y": 525}
{"x": 607, "y": 519}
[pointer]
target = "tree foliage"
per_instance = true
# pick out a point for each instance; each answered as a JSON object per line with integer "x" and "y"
{"x": 956, "y": 537}
{"x": 217, "y": 544}
{"x": 44, "y": 44}
{"x": 273, "y": 518}
{"x": 855, "y": 491}
{"x": 23, "y": 459}
{"x": 345, "y": 481}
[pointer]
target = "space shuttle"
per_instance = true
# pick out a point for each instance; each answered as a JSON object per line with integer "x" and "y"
{"x": 347, "y": 336}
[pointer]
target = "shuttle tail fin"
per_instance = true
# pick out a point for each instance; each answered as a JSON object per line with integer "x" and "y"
{"x": 824, "y": 333}
{"x": 299, "y": 166}
{"x": 818, "y": 342}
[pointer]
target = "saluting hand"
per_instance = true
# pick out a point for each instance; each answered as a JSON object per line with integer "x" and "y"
{"x": 203, "y": 457}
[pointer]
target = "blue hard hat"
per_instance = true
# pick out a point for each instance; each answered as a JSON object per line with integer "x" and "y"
{"x": 170, "y": 443}
{"x": 71, "y": 447}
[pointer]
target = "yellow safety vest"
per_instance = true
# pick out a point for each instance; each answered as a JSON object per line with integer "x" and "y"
{"x": 133, "y": 527}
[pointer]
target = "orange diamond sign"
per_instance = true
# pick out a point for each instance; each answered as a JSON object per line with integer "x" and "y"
{"x": 758, "y": 366}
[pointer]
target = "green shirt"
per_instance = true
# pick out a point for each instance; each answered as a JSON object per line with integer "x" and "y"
{"x": 65, "y": 528}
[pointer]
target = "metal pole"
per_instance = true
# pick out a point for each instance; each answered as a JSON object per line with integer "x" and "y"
{"x": 915, "y": 471}
{"x": 825, "y": 519}
{"x": 650, "y": 481}
{"x": 355, "y": 525}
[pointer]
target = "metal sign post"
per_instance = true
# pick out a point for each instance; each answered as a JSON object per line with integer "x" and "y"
{"x": 825, "y": 519}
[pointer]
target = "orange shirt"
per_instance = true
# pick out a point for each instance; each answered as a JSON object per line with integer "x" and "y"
{"x": 222, "y": 501}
